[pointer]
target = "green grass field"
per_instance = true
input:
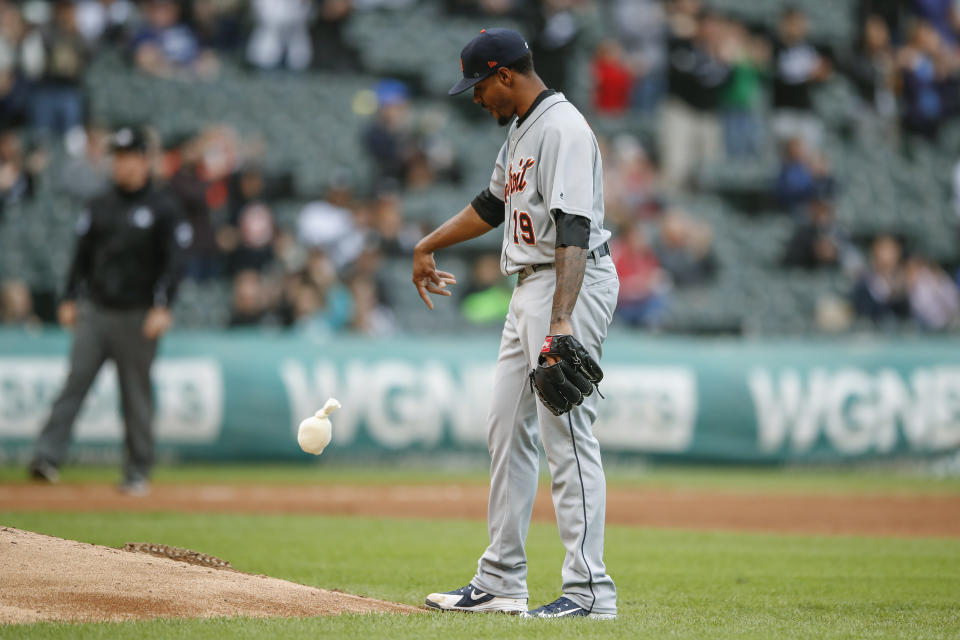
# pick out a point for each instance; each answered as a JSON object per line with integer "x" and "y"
{"x": 672, "y": 584}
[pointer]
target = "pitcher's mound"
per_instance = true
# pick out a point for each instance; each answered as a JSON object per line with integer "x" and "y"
{"x": 46, "y": 578}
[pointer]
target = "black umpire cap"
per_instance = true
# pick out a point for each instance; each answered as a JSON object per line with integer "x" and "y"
{"x": 492, "y": 49}
{"x": 128, "y": 139}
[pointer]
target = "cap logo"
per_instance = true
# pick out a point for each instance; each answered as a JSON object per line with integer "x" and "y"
{"x": 124, "y": 137}
{"x": 491, "y": 63}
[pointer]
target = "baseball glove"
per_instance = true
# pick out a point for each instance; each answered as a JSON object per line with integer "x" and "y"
{"x": 564, "y": 384}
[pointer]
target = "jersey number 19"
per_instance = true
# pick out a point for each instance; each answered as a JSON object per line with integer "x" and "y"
{"x": 523, "y": 224}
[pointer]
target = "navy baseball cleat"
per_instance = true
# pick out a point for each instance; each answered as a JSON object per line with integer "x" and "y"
{"x": 469, "y": 598}
{"x": 564, "y": 607}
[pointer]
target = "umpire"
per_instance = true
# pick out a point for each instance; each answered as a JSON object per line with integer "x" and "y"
{"x": 122, "y": 281}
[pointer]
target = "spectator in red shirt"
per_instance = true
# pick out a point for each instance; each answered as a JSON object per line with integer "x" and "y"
{"x": 643, "y": 288}
{"x": 613, "y": 79}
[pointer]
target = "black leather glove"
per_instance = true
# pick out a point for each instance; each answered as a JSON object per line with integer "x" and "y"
{"x": 563, "y": 385}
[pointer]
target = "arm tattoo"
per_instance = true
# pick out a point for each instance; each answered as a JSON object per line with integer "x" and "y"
{"x": 570, "y": 264}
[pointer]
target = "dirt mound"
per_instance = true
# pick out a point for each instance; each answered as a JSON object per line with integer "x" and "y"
{"x": 46, "y": 578}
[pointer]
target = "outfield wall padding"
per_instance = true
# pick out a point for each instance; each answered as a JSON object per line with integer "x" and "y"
{"x": 240, "y": 396}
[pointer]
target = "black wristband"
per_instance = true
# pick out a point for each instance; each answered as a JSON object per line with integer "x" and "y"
{"x": 490, "y": 208}
{"x": 572, "y": 230}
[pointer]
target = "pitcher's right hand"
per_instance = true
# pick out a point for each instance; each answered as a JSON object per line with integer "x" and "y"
{"x": 427, "y": 279}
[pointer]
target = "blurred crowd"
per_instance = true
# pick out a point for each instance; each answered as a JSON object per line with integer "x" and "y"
{"x": 716, "y": 76}
{"x": 46, "y": 46}
{"x": 321, "y": 275}
{"x": 721, "y": 88}
{"x": 717, "y": 87}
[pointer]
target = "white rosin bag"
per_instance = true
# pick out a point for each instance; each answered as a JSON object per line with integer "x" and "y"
{"x": 316, "y": 431}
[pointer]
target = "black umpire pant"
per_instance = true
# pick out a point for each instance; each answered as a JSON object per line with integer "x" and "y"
{"x": 102, "y": 334}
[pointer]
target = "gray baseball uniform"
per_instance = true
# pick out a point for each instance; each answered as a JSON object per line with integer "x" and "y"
{"x": 549, "y": 162}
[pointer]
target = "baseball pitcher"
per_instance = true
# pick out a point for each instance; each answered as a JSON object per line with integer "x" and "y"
{"x": 546, "y": 191}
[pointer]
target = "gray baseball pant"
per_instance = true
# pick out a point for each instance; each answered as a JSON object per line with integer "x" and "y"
{"x": 102, "y": 334}
{"x": 573, "y": 454}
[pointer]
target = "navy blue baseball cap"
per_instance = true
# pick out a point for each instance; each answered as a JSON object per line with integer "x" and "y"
{"x": 492, "y": 49}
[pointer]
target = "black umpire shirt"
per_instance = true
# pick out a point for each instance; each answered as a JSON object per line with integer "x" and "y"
{"x": 129, "y": 248}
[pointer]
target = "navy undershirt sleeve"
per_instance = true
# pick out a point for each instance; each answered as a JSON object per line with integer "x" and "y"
{"x": 489, "y": 207}
{"x": 572, "y": 230}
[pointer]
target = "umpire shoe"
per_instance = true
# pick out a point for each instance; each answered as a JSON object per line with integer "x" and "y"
{"x": 134, "y": 487}
{"x": 564, "y": 607}
{"x": 469, "y": 598}
{"x": 44, "y": 472}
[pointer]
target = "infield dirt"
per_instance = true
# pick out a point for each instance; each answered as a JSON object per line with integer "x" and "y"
{"x": 847, "y": 514}
{"x": 47, "y": 578}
